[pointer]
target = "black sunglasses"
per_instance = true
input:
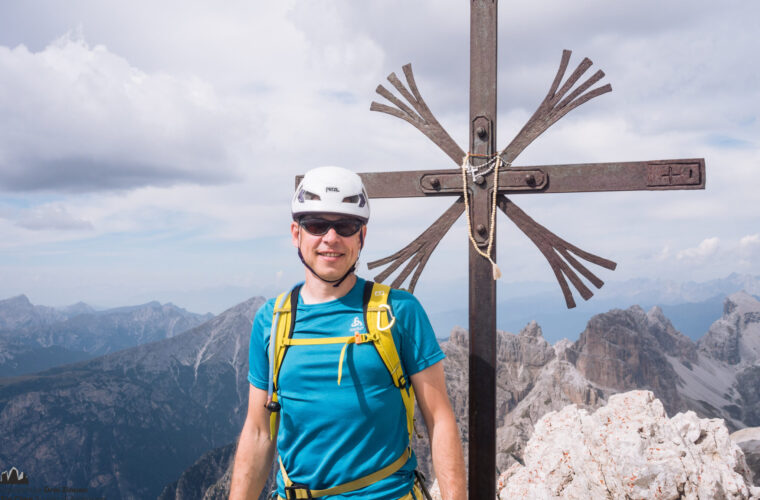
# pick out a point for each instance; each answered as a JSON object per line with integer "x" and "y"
{"x": 319, "y": 227}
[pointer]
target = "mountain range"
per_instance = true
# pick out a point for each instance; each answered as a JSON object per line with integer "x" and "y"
{"x": 690, "y": 306}
{"x": 618, "y": 351}
{"x": 34, "y": 338}
{"x": 126, "y": 424}
{"x": 162, "y": 418}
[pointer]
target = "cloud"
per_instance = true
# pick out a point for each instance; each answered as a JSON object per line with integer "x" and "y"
{"x": 52, "y": 217}
{"x": 663, "y": 254}
{"x": 749, "y": 241}
{"x": 81, "y": 118}
{"x": 706, "y": 248}
{"x": 127, "y": 130}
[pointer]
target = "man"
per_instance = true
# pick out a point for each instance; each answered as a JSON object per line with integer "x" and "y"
{"x": 339, "y": 434}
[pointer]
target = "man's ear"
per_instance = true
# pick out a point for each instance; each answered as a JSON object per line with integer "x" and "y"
{"x": 362, "y": 236}
{"x": 295, "y": 233}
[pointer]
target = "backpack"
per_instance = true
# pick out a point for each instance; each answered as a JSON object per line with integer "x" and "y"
{"x": 375, "y": 303}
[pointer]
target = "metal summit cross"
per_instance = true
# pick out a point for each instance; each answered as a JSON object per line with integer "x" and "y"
{"x": 484, "y": 170}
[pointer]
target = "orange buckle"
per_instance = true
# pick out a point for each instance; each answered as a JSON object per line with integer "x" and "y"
{"x": 358, "y": 338}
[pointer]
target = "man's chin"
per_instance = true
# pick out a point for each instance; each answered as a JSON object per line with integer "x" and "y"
{"x": 331, "y": 273}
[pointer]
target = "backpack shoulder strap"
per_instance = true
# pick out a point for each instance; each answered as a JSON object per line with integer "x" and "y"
{"x": 284, "y": 328}
{"x": 376, "y": 306}
{"x": 283, "y": 324}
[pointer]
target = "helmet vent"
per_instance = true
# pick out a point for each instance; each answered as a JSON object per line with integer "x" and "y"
{"x": 307, "y": 195}
{"x": 351, "y": 199}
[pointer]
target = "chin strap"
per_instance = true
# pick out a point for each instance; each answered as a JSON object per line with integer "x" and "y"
{"x": 337, "y": 282}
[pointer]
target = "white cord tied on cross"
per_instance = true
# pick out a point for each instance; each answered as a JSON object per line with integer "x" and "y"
{"x": 492, "y": 165}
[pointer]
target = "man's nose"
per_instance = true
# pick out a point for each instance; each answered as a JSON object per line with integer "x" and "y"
{"x": 330, "y": 235}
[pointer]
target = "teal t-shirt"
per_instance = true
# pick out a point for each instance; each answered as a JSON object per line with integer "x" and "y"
{"x": 331, "y": 434}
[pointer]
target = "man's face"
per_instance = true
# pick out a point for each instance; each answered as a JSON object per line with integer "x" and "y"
{"x": 329, "y": 255}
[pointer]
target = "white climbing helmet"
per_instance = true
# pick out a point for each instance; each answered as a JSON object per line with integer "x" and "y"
{"x": 331, "y": 190}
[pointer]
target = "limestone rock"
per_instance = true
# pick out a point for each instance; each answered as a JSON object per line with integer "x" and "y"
{"x": 735, "y": 338}
{"x": 629, "y": 449}
{"x": 629, "y": 349}
{"x": 748, "y": 440}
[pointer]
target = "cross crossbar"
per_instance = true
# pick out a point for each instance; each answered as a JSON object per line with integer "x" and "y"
{"x": 652, "y": 175}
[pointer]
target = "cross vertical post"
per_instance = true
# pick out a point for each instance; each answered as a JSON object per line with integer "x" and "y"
{"x": 482, "y": 288}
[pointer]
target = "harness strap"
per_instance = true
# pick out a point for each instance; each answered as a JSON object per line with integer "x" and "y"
{"x": 357, "y": 338}
{"x": 376, "y": 305}
{"x": 300, "y": 491}
{"x": 283, "y": 324}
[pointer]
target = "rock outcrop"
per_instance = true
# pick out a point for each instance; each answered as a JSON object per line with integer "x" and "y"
{"x": 629, "y": 349}
{"x": 619, "y": 351}
{"x": 629, "y": 449}
{"x": 748, "y": 440}
{"x": 735, "y": 338}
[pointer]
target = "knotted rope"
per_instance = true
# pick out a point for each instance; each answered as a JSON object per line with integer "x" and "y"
{"x": 495, "y": 164}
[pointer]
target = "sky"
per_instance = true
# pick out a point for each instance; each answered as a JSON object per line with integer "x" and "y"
{"x": 148, "y": 149}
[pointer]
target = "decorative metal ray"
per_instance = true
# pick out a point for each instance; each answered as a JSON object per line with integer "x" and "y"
{"x": 555, "y": 105}
{"x": 418, "y": 251}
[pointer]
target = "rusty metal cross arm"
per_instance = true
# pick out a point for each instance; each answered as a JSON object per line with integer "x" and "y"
{"x": 569, "y": 178}
{"x": 563, "y": 257}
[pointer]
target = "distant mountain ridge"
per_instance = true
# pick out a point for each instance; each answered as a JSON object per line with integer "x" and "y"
{"x": 17, "y": 313}
{"x": 35, "y": 338}
{"x": 176, "y": 399}
{"x": 126, "y": 424}
{"x": 691, "y": 306}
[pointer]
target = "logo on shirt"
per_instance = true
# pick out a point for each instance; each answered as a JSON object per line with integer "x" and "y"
{"x": 357, "y": 325}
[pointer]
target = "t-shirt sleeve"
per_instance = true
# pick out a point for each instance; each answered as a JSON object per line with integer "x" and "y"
{"x": 419, "y": 348}
{"x": 258, "y": 359}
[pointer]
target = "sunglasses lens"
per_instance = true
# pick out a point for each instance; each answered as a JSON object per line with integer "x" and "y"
{"x": 347, "y": 227}
{"x": 319, "y": 227}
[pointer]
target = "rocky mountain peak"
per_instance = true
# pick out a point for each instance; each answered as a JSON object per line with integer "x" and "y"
{"x": 673, "y": 342}
{"x": 459, "y": 337}
{"x": 740, "y": 300}
{"x": 17, "y": 301}
{"x": 629, "y": 349}
{"x": 735, "y": 337}
{"x": 531, "y": 330}
{"x": 655, "y": 315}
{"x": 18, "y": 312}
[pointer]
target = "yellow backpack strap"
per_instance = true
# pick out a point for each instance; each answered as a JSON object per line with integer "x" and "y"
{"x": 379, "y": 320}
{"x": 283, "y": 323}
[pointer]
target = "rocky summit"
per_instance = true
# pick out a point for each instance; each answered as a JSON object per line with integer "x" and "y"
{"x": 619, "y": 351}
{"x": 629, "y": 448}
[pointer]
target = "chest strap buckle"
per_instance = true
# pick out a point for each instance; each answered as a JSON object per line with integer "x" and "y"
{"x": 297, "y": 491}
